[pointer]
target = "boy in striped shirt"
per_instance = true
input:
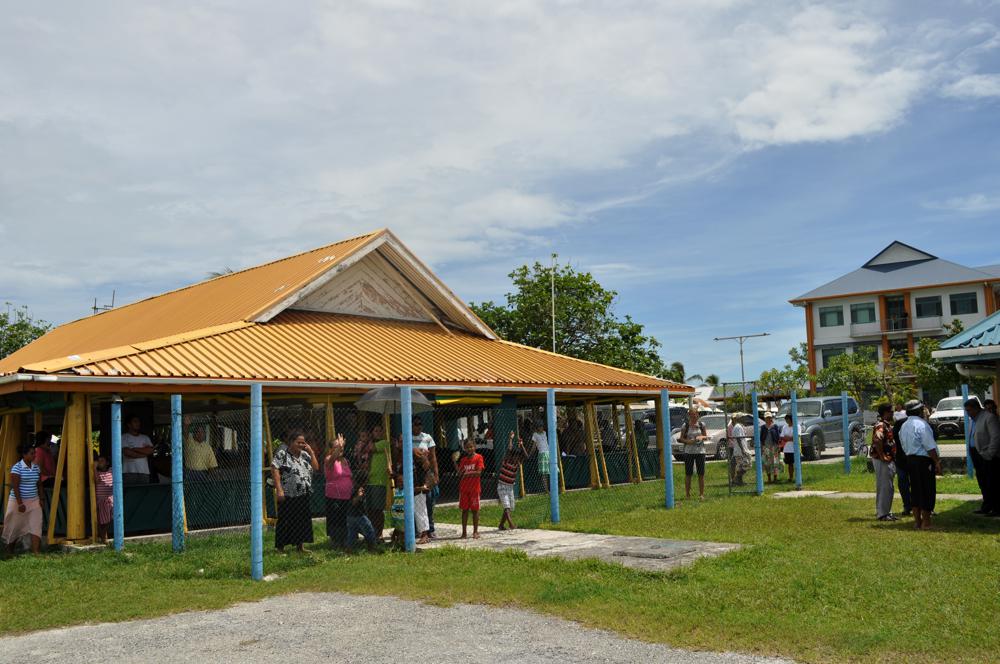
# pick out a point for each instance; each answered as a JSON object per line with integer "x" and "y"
{"x": 505, "y": 480}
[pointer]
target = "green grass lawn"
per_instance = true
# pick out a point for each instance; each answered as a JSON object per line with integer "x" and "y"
{"x": 818, "y": 579}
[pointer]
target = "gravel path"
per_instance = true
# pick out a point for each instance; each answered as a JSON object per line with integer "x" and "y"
{"x": 361, "y": 629}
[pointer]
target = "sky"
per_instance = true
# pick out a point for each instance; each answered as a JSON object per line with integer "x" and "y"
{"x": 707, "y": 159}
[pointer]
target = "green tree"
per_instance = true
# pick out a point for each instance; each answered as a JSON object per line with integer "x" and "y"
{"x": 18, "y": 329}
{"x": 936, "y": 376}
{"x": 856, "y": 373}
{"x": 799, "y": 355}
{"x": 586, "y": 324}
{"x": 782, "y": 381}
{"x": 712, "y": 379}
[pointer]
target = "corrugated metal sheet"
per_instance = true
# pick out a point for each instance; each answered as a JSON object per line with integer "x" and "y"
{"x": 984, "y": 333}
{"x": 306, "y": 346}
{"x": 227, "y": 299}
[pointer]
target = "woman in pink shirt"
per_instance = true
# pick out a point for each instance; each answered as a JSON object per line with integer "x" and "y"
{"x": 339, "y": 485}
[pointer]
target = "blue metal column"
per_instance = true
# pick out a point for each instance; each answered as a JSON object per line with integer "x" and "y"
{"x": 796, "y": 443}
{"x": 846, "y": 423}
{"x": 550, "y": 412}
{"x": 758, "y": 462}
{"x": 177, "y": 472}
{"x": 668, "y": 466}
{"x": 968, "y": 432}
{"x": 406, "y": 406}
{"x": 256, "y": 482}
{"x": 118, "y": 510}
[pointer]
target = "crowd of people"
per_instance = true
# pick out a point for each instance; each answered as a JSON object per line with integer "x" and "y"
{"x": 356, "y": 488}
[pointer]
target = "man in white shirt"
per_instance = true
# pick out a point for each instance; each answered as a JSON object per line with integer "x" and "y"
{"x": 136, "y": 450}
{"x": 424, "y": 441}
{"x": 917, "y": 440}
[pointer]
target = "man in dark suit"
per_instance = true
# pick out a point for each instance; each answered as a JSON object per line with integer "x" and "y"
{"x": 985, "y": 449}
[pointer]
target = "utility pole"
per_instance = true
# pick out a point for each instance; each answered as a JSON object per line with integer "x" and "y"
{"x": 552, "y": 282}
{"x": 743, "y": 377}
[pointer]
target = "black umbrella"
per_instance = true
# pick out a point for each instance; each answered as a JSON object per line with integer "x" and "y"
{"x": 387, "y": 401}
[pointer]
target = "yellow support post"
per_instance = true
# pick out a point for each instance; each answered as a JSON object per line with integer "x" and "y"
{"x": 92, "y": 474}
{"x": 599, "y": 443}
{"x": 57, "y": 487}
{"x": 331, "y": 424}
{"x": 660, "y": 437}
{"x": 10, "y": 437}
{"x": 521, "y": 471}
{"x": 268, "y": 445}
{"x": 630, "y": 433}
{"x": 76, "y": 442}
{"x": 562, "y": 476}
{"x": 391, "y": 482}
{"x": 588, "y": 430}
{"x": 37, "y": 421}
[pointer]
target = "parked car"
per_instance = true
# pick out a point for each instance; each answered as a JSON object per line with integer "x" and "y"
{"x": 948, "y": 419}
{"x": 821, "y": 424}
{"x": 648, "y": 418}
{"x": 715, "y": 446}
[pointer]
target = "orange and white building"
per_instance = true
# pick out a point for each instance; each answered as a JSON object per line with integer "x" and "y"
{"x": 894, "y": 299}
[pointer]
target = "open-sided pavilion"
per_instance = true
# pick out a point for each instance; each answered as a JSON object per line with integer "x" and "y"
{"x": 316, "y": 330}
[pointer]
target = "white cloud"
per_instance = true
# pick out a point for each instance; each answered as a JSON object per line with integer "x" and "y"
{"x": 975, "y": 86}
{"x": 971, "y": 204}
{"x": 209, "y": 134}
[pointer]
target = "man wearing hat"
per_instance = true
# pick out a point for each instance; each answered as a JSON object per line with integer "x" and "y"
{"x": 984, "y": 446}
{"x": 917, "y": 440}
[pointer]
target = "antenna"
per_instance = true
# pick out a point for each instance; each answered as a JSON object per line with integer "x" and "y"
{"x": 552, "y": 283}
{"x": 104, "y": 307}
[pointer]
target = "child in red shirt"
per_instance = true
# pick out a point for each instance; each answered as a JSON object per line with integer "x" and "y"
{"x": 470, "y": 467}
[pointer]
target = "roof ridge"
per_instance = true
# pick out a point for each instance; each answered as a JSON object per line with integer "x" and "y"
{"x": 230, "y": 274}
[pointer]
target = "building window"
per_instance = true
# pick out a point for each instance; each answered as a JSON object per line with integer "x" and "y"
{"x": 929, "y": 307}
{"x": 963, "y": 303}
{"x": 863, "y": 313}
{"x": 830, "y": 353}
{"x": 831, "y": 316}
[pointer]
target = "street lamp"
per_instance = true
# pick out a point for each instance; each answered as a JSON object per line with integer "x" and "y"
{"x": 741, "y": 338}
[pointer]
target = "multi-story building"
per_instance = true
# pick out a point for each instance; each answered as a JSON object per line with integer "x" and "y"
{"x": 897, "y": 297}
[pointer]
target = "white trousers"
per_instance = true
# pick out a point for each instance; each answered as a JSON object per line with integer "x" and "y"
{"x": 423, "y": 524}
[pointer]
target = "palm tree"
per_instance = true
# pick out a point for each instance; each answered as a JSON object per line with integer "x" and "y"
{"x": 712, "y": 379}
{"x": 676, "y": 372}
{"x": 690, "y": 380}
{"x": 221, "y": 273}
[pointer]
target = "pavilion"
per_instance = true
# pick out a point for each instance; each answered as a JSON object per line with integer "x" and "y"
{"x": 316, "y": 329}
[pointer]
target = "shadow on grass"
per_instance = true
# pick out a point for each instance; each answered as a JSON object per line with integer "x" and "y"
{"x": 957, "y": 519}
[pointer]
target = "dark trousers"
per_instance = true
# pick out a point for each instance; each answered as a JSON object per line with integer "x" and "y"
{"x": 375, "y": 507}
{"x": 986, "y": 475}
{"x": 430, "y": 510}
{"x": 903, "y": 481}
{"x": 336, "y": 520}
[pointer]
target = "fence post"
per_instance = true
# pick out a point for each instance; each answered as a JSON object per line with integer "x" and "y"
{"x": 758, "y": 461}
{"x": 968, "y": 432}
{"x": 550, "y": 412}
{"x": 406, "y": 409}
{"x": 256, "y": 482}
{"x": 667, "y": 461}
{"x": 846, "y": 425}
{"x": 796, "y": 443}
{"x": 177, "y": 472}
{"x": 118, "y": 510}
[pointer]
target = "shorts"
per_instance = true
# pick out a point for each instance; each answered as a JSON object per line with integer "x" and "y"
{"x": 468, "y": 499}
{"x": 789, "y": 458}
{"x": 923, "y": 484}
{"x": 692, "y": 461}
{"x": 505, "y": 493}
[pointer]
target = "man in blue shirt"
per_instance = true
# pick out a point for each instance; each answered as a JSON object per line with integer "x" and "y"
{"x": 917, "y": 439}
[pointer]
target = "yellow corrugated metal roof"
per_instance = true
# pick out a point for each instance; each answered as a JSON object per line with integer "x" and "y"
{"x": 307, "y": 346}
{"x": 220, "y": 301}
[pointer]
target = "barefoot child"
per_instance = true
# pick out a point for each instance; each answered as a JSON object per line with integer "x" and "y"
{"x": 505, "y": 481}
{"x": 105, "y": 497}
{"x": 470, "y": 467}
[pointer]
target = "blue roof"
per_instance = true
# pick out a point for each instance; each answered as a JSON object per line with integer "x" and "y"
{"x": 985, "y": 333}
{"x": 915, "y": 269}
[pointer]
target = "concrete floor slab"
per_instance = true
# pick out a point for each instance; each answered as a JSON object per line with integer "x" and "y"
{"x": 644, "y": 553}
